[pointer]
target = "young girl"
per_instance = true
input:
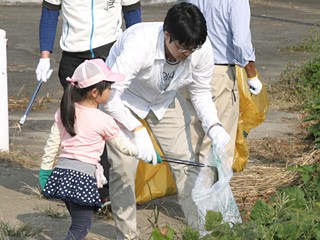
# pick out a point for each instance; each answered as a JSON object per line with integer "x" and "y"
{"x": 83, "y": 131}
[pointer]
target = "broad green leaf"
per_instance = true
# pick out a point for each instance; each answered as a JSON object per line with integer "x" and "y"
{"x": 262, "y": 212}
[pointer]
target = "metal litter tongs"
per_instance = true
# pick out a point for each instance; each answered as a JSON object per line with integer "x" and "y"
{"x": 185, "y": 162}
{"x": 160, "y": 153}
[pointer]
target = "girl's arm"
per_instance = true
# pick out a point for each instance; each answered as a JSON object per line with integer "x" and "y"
{"x": 124, "y": 145}
{"x": 51, "y": 150}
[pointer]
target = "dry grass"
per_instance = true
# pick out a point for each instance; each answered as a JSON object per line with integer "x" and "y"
{"x": 21, "y": 103}
{"x": 267, "y": 169}
{"x": 283, "y": 97}
{"x": 55, "y": 213}
{"x": 16, "y": 159}
{"x": 104, "y": 214}
{"x": 33, "y": 191}
{"x": 279, "y": 152}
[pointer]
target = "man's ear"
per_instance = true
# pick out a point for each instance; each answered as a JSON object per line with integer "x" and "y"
{"x": 167, "y": 36}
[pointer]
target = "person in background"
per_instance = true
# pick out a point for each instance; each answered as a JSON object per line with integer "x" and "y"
{"x": 228, "y": 23}
{"x": 89, "y": 29}
{"x": 84, "y": 129}
{"x": 158, "y": 59}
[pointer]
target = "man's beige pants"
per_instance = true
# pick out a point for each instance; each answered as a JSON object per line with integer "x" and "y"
{"x": 226, "y": 98}
{"x": 173, "y": 135}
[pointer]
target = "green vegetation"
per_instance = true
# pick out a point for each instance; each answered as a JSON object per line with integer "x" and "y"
{"x": 292, "y": 213}
{"x": 22, "y": 231}
{"x": 159, "y": 233}
{"x": 310, "y": 43}
{"x": 55, "y": 213}
{"x": 304, "y": 83}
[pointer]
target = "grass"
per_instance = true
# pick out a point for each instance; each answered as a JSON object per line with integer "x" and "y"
{"x": 104, "y": 214}
{"x": 54, "y": 213}
{"x": 17, "y": 158}
{"x": 33, "y": 191}
{"x": 21, "y": 103}
{"x": 309, "y": 43}
{"x": 284, "y": 94}
{"x": 22, "y": 231}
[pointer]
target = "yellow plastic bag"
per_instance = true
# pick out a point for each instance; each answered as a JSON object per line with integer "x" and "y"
{"x": 253, "y": 109}
{"x": 153, "y": 181}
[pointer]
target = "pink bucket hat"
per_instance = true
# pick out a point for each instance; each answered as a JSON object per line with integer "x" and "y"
{"x": 91, "y": 72}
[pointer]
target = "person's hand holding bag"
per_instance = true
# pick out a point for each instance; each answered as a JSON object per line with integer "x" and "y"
{"x": 218, "y": 135}
{"x": 145, "y": 147}
{"x": 255, "y": 85}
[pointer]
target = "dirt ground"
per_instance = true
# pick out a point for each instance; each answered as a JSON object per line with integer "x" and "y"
{"x": 275, "y": 144}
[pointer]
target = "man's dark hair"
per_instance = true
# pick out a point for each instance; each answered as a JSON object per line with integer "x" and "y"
{"x": 186, "y": 24}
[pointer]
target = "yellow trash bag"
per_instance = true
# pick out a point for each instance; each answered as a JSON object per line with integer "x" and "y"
{"x": 253, "y": 109}
{"x": 153, "y": 181}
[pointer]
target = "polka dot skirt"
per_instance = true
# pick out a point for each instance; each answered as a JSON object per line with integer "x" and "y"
{"x": 71, "y": 185}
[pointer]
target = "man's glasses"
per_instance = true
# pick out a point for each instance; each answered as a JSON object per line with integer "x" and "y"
{"x": 182, "y": 50}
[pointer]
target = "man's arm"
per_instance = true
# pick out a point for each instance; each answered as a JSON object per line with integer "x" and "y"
{"x": 201, "y": 97}
{"x": 250, "y": 69}
{"x": 47, "y": 32}
{"x": 243, "y": 49}
{"x": 48, "y": 27}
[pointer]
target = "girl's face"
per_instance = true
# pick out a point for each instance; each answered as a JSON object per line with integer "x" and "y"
{"x": 104, "y": 96}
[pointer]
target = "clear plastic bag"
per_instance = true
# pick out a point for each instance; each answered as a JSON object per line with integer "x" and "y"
{"x": 209, "y": 194}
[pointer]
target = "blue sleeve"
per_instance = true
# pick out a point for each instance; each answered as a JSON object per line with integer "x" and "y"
{"x": 48, "y": 28}
{"x": 132, "y": 17}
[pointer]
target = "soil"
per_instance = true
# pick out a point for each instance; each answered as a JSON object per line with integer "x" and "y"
{"x": 275, "y": 144}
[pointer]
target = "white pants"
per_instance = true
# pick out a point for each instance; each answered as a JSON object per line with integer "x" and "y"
{"x": 173, "y": 134}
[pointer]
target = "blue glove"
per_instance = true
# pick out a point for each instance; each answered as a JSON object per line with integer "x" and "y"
{"x": 43, "y": 177}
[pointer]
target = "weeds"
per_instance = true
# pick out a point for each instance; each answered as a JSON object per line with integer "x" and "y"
{"x": 310, "y": 43}
{"x": 299, "y": 85}
{"x": 293, "y": 212}
{"x": 16, "y": 158}
{"x": 34, "y": 191}
{"x": 104, "y": 214}
{"x": 54, "y": 213}
{"x": 22, "y": 230}
{"x": 159, "y": 233}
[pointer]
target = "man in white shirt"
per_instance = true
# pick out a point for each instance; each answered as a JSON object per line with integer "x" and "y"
{"x": 228, "y": 23}
{"x": 158, "y": 59}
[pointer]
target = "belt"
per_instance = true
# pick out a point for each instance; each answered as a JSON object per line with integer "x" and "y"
{"x": 225, "y": 64}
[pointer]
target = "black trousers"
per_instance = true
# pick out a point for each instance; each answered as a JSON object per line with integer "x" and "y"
{"x": 81, "y": 217}
{"x": 68, "y": 64}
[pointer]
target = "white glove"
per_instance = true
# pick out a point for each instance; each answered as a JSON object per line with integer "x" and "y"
{"x": 43, "y": 70}
{"x": 219, "y": 136}
{"x": 255, "y": 85}
{"x": 143, "y": 142}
